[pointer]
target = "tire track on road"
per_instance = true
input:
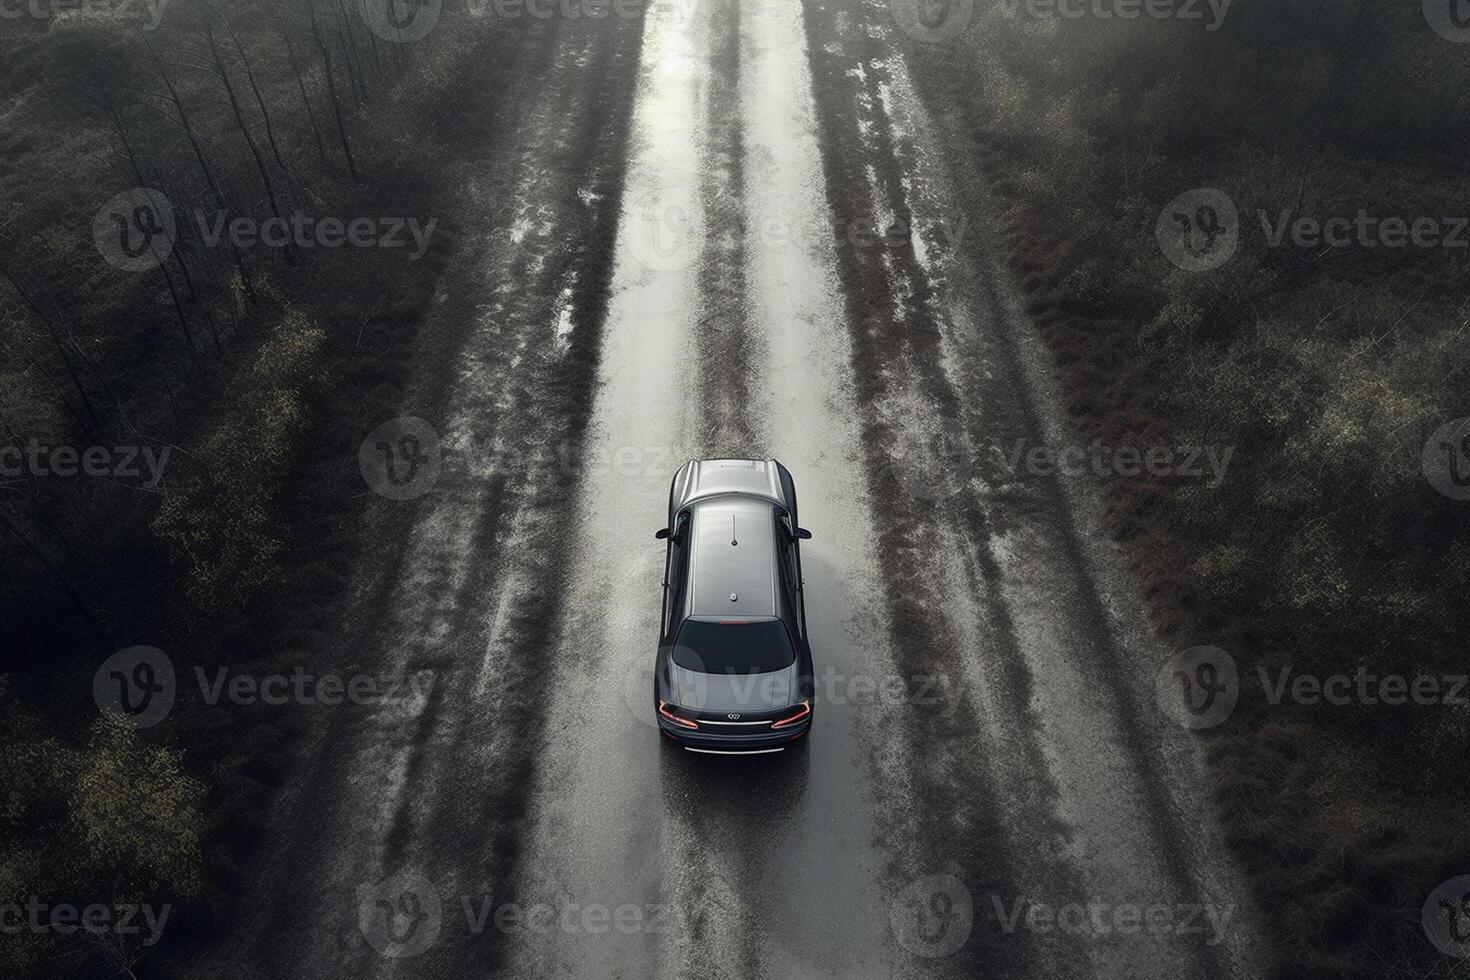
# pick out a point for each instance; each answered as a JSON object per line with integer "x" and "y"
{"x": 468, "y": 819}
{"x": 494, "y": 378}
{"x": 598, "y": 836}
{"x": 1113, "y": 645}
{"x": 727, "y": 346}
{"x": 824, "y": 895}
{"x": 989, "y": 823}
{"x": 1047, "y": 630}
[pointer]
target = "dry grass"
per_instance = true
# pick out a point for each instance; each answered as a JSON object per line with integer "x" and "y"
{"x": 1325, "y": 369}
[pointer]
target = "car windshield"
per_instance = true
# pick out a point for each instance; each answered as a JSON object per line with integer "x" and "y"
{"x": 734, "y": 646}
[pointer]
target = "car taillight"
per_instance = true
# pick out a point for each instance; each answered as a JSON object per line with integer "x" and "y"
{"x": 663, "y": 709}
{"x": 802, "y": 710}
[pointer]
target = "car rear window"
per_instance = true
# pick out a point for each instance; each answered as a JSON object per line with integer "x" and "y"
{"x": 734, "y": 647}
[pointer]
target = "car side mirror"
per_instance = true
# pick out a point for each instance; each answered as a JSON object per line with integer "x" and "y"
{"x": 803, "y": 534}
{"x": 662, "y": 533}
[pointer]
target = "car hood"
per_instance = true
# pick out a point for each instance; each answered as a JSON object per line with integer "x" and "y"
{"x": 697, "y": 691}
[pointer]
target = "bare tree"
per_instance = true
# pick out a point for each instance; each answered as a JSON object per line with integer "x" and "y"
{"x": 30, "y": 303}
{"x": 316, "y": 130}
{"x": 270, "y": 133}
{"x": 321, "y": 44}
{"x": 222, "y": 72}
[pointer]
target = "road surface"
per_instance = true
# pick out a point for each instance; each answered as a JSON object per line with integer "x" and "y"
{"x": 736, "y": 229}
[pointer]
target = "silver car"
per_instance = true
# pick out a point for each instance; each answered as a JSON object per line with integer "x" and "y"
{"x": 734, "y": 669}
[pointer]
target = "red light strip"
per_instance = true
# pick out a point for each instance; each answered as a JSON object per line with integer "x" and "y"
{"x": 806, "y": 709}
{"x": 663, "y": 709}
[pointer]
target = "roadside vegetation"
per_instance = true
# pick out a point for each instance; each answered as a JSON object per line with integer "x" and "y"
{"x": 1325, "y": 368}
{"x": 256, "y": 370}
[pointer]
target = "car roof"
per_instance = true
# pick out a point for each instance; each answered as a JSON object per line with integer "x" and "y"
{"x": 701, "y": 479}
{"x": 719, "y": 569}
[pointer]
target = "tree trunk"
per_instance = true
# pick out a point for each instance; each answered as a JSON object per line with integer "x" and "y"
{"x": 71, "y": 368}
{"x": 316, "y": 130}
{"x": 321, "y": 43}
{"x": 260, "y": 167}
{"x": 198, "y": 148}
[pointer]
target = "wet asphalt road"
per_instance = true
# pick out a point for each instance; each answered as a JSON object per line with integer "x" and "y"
{"x": 677, "y": 257}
